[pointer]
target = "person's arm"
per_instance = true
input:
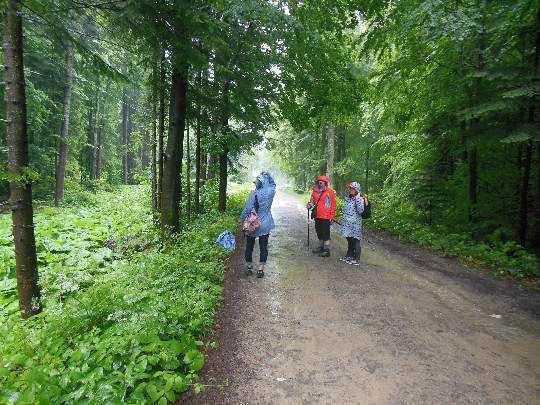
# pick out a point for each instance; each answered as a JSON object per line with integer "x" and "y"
{"x": 333, "y": 205}
{"x": 250, "y": 204}
{"x": 359, "y": 201}
{"x": 311, "y": 202}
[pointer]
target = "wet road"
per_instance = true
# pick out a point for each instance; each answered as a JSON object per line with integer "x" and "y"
{"x": 406, "y": 327}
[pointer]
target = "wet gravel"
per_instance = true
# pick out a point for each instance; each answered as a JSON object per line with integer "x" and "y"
{"x": 406, "y": 327}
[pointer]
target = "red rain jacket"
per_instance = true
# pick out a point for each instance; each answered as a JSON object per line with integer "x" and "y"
{"x": 326, "y": 201}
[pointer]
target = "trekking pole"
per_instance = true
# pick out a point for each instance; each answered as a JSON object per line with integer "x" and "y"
{"x": 308, "y": 229}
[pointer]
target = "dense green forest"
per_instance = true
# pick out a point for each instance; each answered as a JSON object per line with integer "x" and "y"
{"x": 123, "y": 121}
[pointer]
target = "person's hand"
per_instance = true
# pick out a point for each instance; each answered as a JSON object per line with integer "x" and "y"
{"x": 309, "y": 205}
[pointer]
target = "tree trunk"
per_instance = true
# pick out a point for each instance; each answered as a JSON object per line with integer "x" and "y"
{"x": 129, "y": 153}
{"x": 161, "y": 130}
{"x": 64, "y": 130}
{"x": 524, "y": 195}
{"x": 99, "y": 145}
{"x": 145, "y": 156}
{"x": 223, "y": 158}
{"x": 171, "y": 189}
{"x": 473, "y": 151}
{"x": 188, "y": 175}
{"x": 95, "y": 142}
{"x": 473, "y": 182}
{"x": 17, "y": 140}
{"x": 330, "y": 138}
{"x": 210, "y": 166}
{"x": 123, "y": 138}
{"x": 154, "y": 153}
{"x": 524, "y": 198}
{"x": 198, "y": 163}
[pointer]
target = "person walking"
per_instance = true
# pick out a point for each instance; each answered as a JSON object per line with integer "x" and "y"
{"x": 259, "y": 201}
{"x": 323, "y": 204}
{"x": 351, "y": 228}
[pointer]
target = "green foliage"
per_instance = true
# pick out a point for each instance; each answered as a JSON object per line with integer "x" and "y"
{"x": 125, "y": 313}
{"x": 502, "y": 257}
{"x": 418, "y": 92}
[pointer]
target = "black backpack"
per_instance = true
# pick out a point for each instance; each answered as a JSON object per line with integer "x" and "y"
{"x": 367, "y": 208}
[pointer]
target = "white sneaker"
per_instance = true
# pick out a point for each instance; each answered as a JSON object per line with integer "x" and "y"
{"x": 354, "y": 262}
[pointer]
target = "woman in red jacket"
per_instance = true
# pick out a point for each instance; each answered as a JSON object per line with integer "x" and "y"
{"x": 323, "y": 199}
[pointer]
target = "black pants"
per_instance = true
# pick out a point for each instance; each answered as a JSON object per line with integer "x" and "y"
{"x": 263, "y": 248}
{"x": 353, "y": 248}
{"x": 322, "y": 228}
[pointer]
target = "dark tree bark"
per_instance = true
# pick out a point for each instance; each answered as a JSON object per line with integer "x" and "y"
{"x": 17, "y": 139}
{"x": 161, "y": 129}
{"x": 473, "y": 150}
{"x": 198, "y": 163}
{"x": 223, "y": 160}
{"x": 171, "y": 189}
{"x": 154, "y": 152}
{"x": 145, "y": 155}
{"x": 99, "y": 145}
{"x": 210, "y": 163}
{"x": 473, "y": 182}
{"x": 64, "y": 130}
{"x": 224, "y": 155}
{"x": 188, "y": 175}
{"x": 127, "y": 153}
{"x": 524, "y": 195}
{"x": 95, "y": 142}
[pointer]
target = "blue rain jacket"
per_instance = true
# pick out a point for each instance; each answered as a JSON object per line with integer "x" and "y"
{"x": 265, "y": 190}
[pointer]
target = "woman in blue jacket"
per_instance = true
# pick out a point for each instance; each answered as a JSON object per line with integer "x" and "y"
{"x": 260, "y": 200}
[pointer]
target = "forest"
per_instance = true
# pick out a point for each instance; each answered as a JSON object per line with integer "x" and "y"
{"x": 123, "y": 122}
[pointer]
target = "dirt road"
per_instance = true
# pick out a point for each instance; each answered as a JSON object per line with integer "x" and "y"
{"x": 406, "y": 327}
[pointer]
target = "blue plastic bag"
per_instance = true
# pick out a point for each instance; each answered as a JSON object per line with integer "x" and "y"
{"x": 227, "y": 240}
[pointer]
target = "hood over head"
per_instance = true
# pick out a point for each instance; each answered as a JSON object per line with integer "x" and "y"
{"x": 325, "y": 179}
{"x": 354, "y": 185}
{"x": 264, "y": 180}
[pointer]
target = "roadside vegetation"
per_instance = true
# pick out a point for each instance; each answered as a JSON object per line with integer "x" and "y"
{"x": 125, "y": 312}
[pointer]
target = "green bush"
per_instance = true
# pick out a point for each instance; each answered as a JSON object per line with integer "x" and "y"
{"x": 125, "y": 314}
{"x": 504, "y": 258}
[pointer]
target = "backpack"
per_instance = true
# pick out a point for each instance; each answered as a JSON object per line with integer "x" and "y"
{"x": 252, "y": 221}
{"x": 367, "y": 208}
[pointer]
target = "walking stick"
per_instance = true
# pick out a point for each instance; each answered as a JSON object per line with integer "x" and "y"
{"x": 308, "y": 229}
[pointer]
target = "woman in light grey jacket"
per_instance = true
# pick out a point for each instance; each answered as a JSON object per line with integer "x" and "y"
{"x": 352, "y": 223}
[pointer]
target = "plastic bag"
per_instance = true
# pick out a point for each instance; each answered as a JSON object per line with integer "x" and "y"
{"x": 226, "y": 240}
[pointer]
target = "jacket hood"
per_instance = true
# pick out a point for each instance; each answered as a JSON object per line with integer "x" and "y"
{"x": 355, "y": 185}
{"x": 324, "y": 178}
{"x": 265, "y": 180}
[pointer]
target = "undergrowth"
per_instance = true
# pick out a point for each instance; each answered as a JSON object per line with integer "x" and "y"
{"x": 125, "y": 314}
{"x": 503, "y": 258}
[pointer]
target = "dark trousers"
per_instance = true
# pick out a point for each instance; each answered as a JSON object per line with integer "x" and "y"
{"x": 322, "y": 228}
{"x": 263, "y": 248}
{"x": 353, "y": 248}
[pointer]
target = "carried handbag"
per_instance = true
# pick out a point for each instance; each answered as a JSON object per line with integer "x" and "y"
{"x": 252, "y": 221}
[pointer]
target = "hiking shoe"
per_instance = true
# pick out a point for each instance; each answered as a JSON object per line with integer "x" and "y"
{"x": 249, "y": 269}
{"x": 325, "y": 253}
{"x": 260, "y": 272}
{"x": 345, "y": 259}
{"x": 318, "y": 250}
{"x": 354, "y": 262}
